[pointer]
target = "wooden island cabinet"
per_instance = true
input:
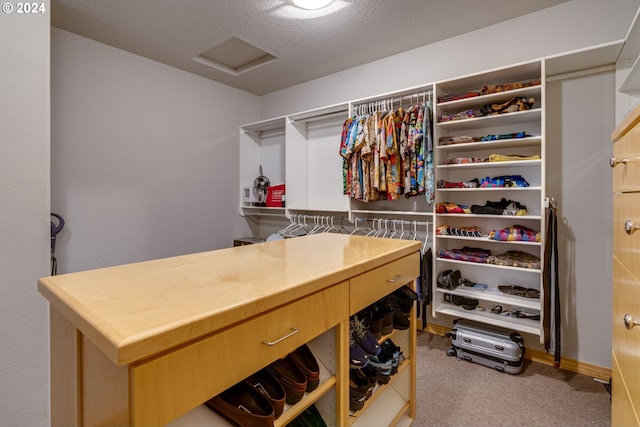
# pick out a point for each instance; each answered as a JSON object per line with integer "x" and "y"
{"x": 143, "y": 344}
{"x": 625, "y": 356}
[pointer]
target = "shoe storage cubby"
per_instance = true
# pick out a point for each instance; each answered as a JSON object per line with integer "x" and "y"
{"x": 323, "y": 398}
{"x": 489, "y": 136}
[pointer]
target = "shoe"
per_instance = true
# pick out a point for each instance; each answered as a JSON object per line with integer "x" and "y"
{"x": 363, "y": 337}
{"x": 360, "y": 384}
{"x": 387, "y": 323}
{"x": 400, "y": 318}
{"x": 291, "y": 377}
{"x": 466, "y": 303}
{"x": 372, "y": 319}
{"x": 382, "y": 363}
{"x": 270, "y": 387}
{"x": 405, "y": 292}
{"x": 520, "y": 291}
{"x": 357, "y": 403}
{"x": 374, "y": 326}
{"x": 358, "y": 358}
{"x": 243, "y": 405}
{"x": 311, "y": 418}
{"x": 371, "y": 374}
{"x": 386, "y": 310}
{"x": 307, "y": 362}
{"x": 394, "y": 352}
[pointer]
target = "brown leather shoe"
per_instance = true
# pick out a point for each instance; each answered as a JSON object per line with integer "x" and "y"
{"x": 267, "y": 384}
{"x": 293, "y": 380}
{"x": 243, "y": 405}
{"x": 307, "y": 362}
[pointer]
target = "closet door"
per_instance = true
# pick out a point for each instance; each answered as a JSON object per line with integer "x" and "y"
{"x": 490, "y": 196}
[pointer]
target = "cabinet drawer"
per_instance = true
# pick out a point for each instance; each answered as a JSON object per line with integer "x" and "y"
{"x": 626, "y": 342}
{"x": 626, "y": 207}
{"x": 626, "y": 176}
{"x": 170, "y": 385}
{"x": 369, "y": 287}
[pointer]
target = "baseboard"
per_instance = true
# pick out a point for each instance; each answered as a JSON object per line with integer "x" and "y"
{"x": 547, "y": 359}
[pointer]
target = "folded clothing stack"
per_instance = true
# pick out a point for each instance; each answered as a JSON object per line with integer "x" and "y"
{"x": 517, "y": 233}
{"x": 479, "y": 255}
{"x": 503, "y": 207}
{"x": 515, "y": 259}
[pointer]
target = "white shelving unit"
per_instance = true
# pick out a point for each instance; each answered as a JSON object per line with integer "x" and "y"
{"x": 531, "y": 122}
{"x": 262, "y": 145}
{"x": 301, "y": 150}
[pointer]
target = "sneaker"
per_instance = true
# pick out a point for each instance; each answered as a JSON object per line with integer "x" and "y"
{"x": 363, "y": 337}
{"x": 356, "y": 403}
{"x": 383, "y": 364}
{"x": 359, "y": 383}
{"x": 393, "y": 351}
{"x": 371, "y": 374}
{"x": 358, "y": 358}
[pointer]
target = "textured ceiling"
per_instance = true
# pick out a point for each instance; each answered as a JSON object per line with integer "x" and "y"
{"x": 306, "y": 44}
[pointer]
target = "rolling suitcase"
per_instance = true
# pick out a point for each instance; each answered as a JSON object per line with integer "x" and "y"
{"x": 487, "y": 345}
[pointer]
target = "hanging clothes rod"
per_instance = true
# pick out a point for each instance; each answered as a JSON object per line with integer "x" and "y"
{"x": 397, "y": 221}
{"x": 384, "y": 102}
{"x": 327, "y": 116}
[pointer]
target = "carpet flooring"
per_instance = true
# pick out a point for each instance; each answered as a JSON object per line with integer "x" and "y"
{"x": 457, "y": 393}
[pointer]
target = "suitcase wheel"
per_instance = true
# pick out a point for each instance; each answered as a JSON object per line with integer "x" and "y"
{"x": 451, "y": 352}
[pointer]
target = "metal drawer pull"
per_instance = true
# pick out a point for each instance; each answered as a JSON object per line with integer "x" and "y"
{"x": 290, "y": 334}
{"x": 395, "y": 279}
{"x": 630, "y": 227}
{"x": 613, "y": 162}
{"x": 629, "y": 322}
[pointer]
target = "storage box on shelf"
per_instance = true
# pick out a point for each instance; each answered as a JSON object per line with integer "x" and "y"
{"x": 474, "y": 148}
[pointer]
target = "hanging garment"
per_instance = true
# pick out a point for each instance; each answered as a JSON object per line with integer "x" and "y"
{"x": 551, "y": 323}
{"x": 426, "y": 268}
{"x": 385, "y": 154}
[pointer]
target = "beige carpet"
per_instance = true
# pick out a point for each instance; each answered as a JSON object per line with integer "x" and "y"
{"x": 452, "y": 392}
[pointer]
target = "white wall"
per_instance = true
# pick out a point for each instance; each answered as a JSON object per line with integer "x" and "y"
{"x": 144, "y": 156}
{"x": 24, "y": 218}
{"x": 582, "y": 118}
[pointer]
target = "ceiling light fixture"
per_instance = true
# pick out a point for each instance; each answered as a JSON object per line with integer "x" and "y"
{"x": 312, "y": 4}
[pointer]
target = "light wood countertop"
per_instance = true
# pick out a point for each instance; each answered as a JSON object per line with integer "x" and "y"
{"x": 134, "y": 311}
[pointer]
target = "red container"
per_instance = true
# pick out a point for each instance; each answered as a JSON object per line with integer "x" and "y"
{"x": 275, "y": 196}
